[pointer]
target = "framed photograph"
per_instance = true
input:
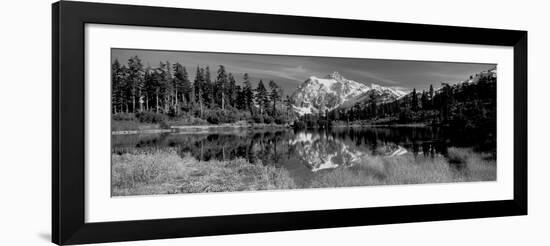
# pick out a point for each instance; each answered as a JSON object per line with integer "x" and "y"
{"x": 177, "y": 123}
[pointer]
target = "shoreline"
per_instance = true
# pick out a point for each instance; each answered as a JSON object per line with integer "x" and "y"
{"x": 198, "y": 128}
{"x": 228, "y": 126}
{"x": 383, "y": 125}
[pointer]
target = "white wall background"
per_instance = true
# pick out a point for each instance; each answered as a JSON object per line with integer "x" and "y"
{"x": 25, "y": 96}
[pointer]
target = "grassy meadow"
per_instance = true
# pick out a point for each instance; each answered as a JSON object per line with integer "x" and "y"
{"x": 462, "y": 165}
{"x": 165, "y": 172}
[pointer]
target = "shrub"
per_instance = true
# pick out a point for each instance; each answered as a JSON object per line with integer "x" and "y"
{"x": 164, "y": 125}
{"x": 219, "y": 116}
{"x": 310, "y": 123}
{"x": 405, "y": 116}
{"x": 268, "y": 119}
{"x": 299, "y": 125}
{"x": 131, "y": 125}
{"x": 241, "y": 115}
{"x": 124, "y": 116}
{"x": 280, "y": 120}
{"x": 324, "y": 123}
{"x": 185, "y": 120}
{"x": 258, "y": 119}
{"x": 213, "y": 119}
{"x": 151, "y": 117}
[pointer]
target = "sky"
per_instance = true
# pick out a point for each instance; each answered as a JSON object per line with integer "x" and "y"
{"x": 291, "y": 71}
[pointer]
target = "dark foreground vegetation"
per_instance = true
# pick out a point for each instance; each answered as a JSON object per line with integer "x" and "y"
{"x": 166, "y": 172}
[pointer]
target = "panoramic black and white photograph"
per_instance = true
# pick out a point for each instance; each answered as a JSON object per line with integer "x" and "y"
{"x": 198, "y": 122}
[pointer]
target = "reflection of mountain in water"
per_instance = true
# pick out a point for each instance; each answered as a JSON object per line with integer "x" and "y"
{"x": 299, "y": 151}
{"x": 307, "y": 154}
{"x": 320, "y": 151}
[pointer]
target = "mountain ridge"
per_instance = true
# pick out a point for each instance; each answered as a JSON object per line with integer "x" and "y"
{"x": 318, "y": 95}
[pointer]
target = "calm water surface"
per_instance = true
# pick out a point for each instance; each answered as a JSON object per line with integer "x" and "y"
{"x": 306, "y": 152}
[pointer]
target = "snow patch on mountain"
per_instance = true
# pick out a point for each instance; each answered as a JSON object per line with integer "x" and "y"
{"x": 318, "y": 95}
{"x": 396, "y": 92}
{"x": 321, "y": 94}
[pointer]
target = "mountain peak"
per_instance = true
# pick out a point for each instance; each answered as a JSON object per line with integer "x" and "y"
{"x": 322, "y": 94}
{"x": 375, "y": 86}
{"x": 335, "y": 75}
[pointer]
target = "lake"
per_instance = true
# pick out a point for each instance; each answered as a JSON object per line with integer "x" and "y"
{"x": 309, "y": 153}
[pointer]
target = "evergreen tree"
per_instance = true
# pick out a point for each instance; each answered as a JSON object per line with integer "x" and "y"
{"x": 274, "y": 95}
{"x": 135, "y": 81}
{"x": 444, "y": 102}
{"x": 262, "y": 98}
{"x": 232, "y": 90}
{"x": 431, "y": 97}
{"x": 424, "y": 100}
{"x": 288, "y": 104}
{"x": 160, "y": 85}
{"x": 414, "y": 101}
{"x": 373, "y": 110}
{"x": 248, "y": 95}
{"x": 240, "y": 101}
{"x": 167, "y": 88}
{"x": 187, "y": 87}
{"x": 117, "y": 87}
{"x": 208, "y": 89}
{"x": 199, "y": 89}
{"x": 220, "y": 87}
{"x": 150, "y": 87}
{"x": 178, "y": 85}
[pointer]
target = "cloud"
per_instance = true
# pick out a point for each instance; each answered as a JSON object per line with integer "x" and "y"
{"x": 376, "y": 77}
{"x": 298, "y": 74}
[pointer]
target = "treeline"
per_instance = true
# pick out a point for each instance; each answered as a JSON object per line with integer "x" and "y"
{"x": 166, "y": 91}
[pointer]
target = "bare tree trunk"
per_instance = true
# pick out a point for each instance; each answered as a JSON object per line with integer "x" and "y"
{"x": 147, "y": 101}
{"x": 133, "y": 102}
{"x": 140, "y": 101}
{"x": 200, "y": 102}
{"x": 166, "y": 104}
{"x": 176, "y": 108}
{"x": 274, "y": 107}
{"x": 157, "y": 106}
{"x": 171, "y": 102}
{"x": 120, "y": 102}
{"x": 223, "y": 100}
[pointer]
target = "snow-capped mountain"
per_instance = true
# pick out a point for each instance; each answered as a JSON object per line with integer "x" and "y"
{"x": 378, "y": 94}
{"x": 320, "y": 94}
{"x": 394, "y": 92}
{"x": 333, "y": 91}
{"x": 485, "y": 74}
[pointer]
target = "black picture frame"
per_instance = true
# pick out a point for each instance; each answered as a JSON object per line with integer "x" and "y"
{"x": 68, "y": 172}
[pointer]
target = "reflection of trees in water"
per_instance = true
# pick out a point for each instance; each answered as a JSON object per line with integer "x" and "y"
{"x": 274, "y": 147}
{"x": 427, "y": 141}
{"x": 268, "y": 147}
